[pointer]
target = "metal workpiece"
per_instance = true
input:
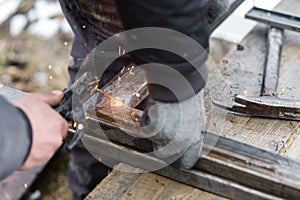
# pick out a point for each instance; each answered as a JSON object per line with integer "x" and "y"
{"x": 275, "y": 19}
{"x": 215, "y": 184}
{"x": 230, "y": 169}
{"x": 264, "y": 106}
{"x": 252, "y": 167}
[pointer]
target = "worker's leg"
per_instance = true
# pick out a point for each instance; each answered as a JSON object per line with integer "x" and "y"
{"x": 84, "y": 173}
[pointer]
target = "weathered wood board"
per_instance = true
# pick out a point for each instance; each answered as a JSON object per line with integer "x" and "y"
{"x": 240, "y": 72}
{"x": 120, "y": 185}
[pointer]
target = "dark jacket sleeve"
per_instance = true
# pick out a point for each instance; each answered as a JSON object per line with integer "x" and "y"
{"x": 189, "y": 17}
{"x": 15, "y": 138}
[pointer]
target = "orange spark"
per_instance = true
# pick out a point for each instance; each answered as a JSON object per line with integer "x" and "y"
{"x": 115, "y": 102}
{"x": 131, "y": 69}
{"x": 134, "y": 116}
{"x": 94, "y": 88}
{"x": 75, "y": 125}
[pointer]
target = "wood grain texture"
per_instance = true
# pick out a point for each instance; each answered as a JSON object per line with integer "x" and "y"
{"x": 146, "y": 186}
{"x": 116, "y": 183}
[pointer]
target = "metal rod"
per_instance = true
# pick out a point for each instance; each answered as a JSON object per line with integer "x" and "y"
{"x": 271, "y": 70}
{"x": 232, "y": 169}
{"x": 197, "y": 178}
{"x": 275, "y": 19}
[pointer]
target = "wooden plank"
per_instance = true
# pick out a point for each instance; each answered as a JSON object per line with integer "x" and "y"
{"x": 290, "y": 71}
{"x": 116, "y": 183}
{"x": 133, "y": 186}
{"x": 142, "y": 191}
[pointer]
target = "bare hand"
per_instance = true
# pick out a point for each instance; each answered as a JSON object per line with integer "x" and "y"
{"x": 48, "y": 127}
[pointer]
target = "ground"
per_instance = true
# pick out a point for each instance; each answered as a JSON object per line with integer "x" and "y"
{"x": 52, "y": 183}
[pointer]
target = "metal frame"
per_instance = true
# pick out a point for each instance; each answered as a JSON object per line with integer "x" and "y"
{"x": 276, "y": 19}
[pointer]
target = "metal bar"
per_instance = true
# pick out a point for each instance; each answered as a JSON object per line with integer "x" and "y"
{"x": 265, "y": 106}
{"x": 215, "y": 184}
{"x": 134, "y": 82}
{"x": 238, "y": 163}
{"x": 271, "y": 70}
{"x": 239, "y": 176}
{"x": 197, "y": 178}
{"x": 253, "y": 167}
{"x": 275, "y": 19}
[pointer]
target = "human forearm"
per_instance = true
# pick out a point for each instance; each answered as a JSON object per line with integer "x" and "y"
{"x": 15, "y": 138}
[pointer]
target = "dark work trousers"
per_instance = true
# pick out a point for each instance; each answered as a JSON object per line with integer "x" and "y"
{"x": 84, "y": 172}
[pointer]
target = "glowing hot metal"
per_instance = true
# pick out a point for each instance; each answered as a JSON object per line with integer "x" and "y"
{"x": 115, "y": 102}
